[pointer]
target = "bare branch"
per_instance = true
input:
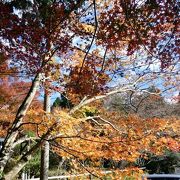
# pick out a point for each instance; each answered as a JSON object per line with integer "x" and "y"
{"x": 109, "y": 123}
{"x": 120, "y": 90}
{"x": 93, "y": 118}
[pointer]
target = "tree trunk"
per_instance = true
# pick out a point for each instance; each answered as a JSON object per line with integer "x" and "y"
{"x": 45, "y": 148}
{"x": 7, "y": 151}
{"x": 15, "y": 170}
{"x": 28, "y": 155}
{"x": 44, "y": 161}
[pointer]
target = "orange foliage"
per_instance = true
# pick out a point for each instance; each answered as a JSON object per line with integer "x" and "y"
{"x": 122, "y": 25}
{"x": 111, "y": 137}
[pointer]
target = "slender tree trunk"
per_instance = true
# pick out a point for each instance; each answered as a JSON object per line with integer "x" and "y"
{"x": 7, "y": 151}
{"x": 44, "y": 161}
{"x": 16, "y": 169}
{"x": 27, "y": 156}
{"x": 45, "y": 148}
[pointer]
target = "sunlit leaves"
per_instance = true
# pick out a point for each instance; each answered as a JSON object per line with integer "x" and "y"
{"x": 95, "y": 139}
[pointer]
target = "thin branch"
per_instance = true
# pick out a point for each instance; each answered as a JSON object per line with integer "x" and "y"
{"x": 69, "y": 149}
{"x": 28, "y": 123}
{"x": 138, "y": 105}
{"x": 95, "y": 31}
{"x": 104, "y": 58}
{"x": 77, "y": 158}
{"x": 120, "y": 90}
{"x": 134, "y": 108}
{"x": 60, "y": 136}
{"x": 95, "y": 121}
{"x": 109, "y": 123}
{"x": 102, "y": 119}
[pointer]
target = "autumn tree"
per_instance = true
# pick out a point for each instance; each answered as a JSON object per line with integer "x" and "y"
{"x": 39, "y": 52}
{"x": 84, "y": 45}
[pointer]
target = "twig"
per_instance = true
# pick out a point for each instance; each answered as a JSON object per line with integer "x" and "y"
{"x": 95, "y": 30}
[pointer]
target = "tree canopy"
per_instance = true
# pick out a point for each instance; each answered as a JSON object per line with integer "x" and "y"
{"x": 87, "y": 50}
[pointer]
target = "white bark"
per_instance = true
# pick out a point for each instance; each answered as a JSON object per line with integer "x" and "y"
{"x": 16, "y": 169}
{"x": 44, "y": 161}
{"x": 6, "y": 151}
{"x": 27, "y": 156}
{"x": 130, "y": 87}
{"x": 45, "y": 148}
